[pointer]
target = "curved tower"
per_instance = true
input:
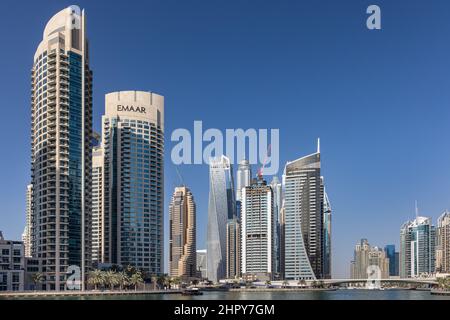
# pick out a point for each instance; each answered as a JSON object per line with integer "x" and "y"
{"x": 61, "y": 132}
{"x": 220, "y": 210}
{"x": 303, "y": 231}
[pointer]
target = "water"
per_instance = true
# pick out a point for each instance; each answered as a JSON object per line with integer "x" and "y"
{"x": 279, "y": 295}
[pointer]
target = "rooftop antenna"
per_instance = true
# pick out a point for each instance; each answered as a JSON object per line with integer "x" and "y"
{"x": 318, "y": 145}
{"x": 417, "y": 210}
{"x": 179, "y": 176}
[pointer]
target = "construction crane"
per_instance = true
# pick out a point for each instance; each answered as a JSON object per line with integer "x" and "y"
{"x": 261, "y": 170}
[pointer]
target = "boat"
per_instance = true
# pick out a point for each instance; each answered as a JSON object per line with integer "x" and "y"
{"x": 192, "y": 292}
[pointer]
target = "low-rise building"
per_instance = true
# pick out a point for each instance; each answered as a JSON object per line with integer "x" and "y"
{"x": 12, "y": 265}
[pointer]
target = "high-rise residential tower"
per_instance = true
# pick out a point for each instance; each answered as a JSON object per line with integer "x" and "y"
{"x": 97, "y": 205}
{"x": 303, "y": 225}
{"x": 258, "y": 231}
{"x": 201, "y": 263}
{"x": 326, "y": 236}
{"x": 417, "y": 248}
{"x": 443, "y": 243}
{"x": 276, "y": 187}
{"x": 26, "y": 235}
{"x": 243, "y": 178}
{"x": 182, "y": 229}
{"x": 221, "y": 208}
{"x": 365, "y": 256}
{"x": 233, "y": 251}
{"x": 133, "y": 147}
{"x": 61, "y": 132}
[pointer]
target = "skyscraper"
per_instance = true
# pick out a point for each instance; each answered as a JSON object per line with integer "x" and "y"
{"x": 258, "y": 231}
{"x": 443, "y": 243}
{"x": 61, "y": 132}
{"x": 233, "y": 268}
{"x": 365, "y": 256}
{"x": 303, "y": 227}
{"x": 326, "y": 236}
{"x": 417, "y": 248}
{"x": 182, "y": 228}
{"x": 243, "y": 179}
{"x": 97, "y": 205}
{"x": 201, "y": 263}
{"x": 221, "y": 208}
{"x": 26, "y": 235}
{"x": 390, "y": 253}
{"x": 276, "y": 187}
{"x": 133, "y": 146}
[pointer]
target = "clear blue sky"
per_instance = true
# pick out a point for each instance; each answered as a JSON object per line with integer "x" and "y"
{"x": 379, "y": 100}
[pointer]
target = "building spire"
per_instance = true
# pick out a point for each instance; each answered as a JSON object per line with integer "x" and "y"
{"x": 417, "y": 210}
{"x": 318, "y": 145}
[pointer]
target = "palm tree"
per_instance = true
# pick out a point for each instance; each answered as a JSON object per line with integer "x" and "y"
{"x": 154, "y": 280}
{"x": 302, "y": 283}
{"x": 176, "y": 281}
{"x": 161, "y": 280}
{"x": 37, "y": 279}
{"x": 268, "y": 283}
{"x": 136, "y": 279}
{"x": 111, "y": 279}
{"x": 122, "y": 279}
{"x": 285, "y": 283}
{"x": 95, "y": 278}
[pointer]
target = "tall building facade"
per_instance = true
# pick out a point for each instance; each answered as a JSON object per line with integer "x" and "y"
{"x": 201, "y": 264}
{"x": 182, "y": 228}
{"x": 417, "y": 248}
{"x": 233, "y": 251}
{"x": 221, "y": 208}
{"x": 276, "y": 186}
{"x": 258, "y": 231}
{"x": 326, "y": 236}
{"x": 243, "y": 179}
{"x": 303, "y": 225}
{"x": 365, "y": 256}
{"x": 26, "y": 235}
{"x": 443, "y": 243}
{"x": 97, "y": 205}
{"x": 391, "y": 254}
{"x": 61, "y": 131}
{"x": 133, "y": 147}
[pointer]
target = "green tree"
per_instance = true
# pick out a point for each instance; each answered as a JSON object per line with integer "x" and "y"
{"x": 136, "y": 279}
{"x": 111, "y": 279}
{"x": 96, "y": 278}
{"x": 38, "y": 278}
{"x": 122, "y": 279}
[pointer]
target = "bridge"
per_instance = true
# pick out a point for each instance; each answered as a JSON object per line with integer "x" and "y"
{"x": 429, "y": 281}
{"x": 337, "y": 282}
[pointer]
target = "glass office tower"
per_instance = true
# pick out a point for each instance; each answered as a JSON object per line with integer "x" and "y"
{"x": 133, "y": 151}
{"x": 221, "y": 208}
{"x": 417, "y": 248}
{"x": 326, "y": 236}
{"x": 303, "y": 219}
{"x": 61, "y": 131}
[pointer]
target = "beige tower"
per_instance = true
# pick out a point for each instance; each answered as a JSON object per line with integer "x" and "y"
{"x": 182, "y": 244}
{"x": 97, "y": 204}
{"x": 133, "y": 180}
{"x": 61, "y": 133}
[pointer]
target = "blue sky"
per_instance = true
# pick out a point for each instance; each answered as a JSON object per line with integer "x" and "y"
{"x": 379, "y": 100}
